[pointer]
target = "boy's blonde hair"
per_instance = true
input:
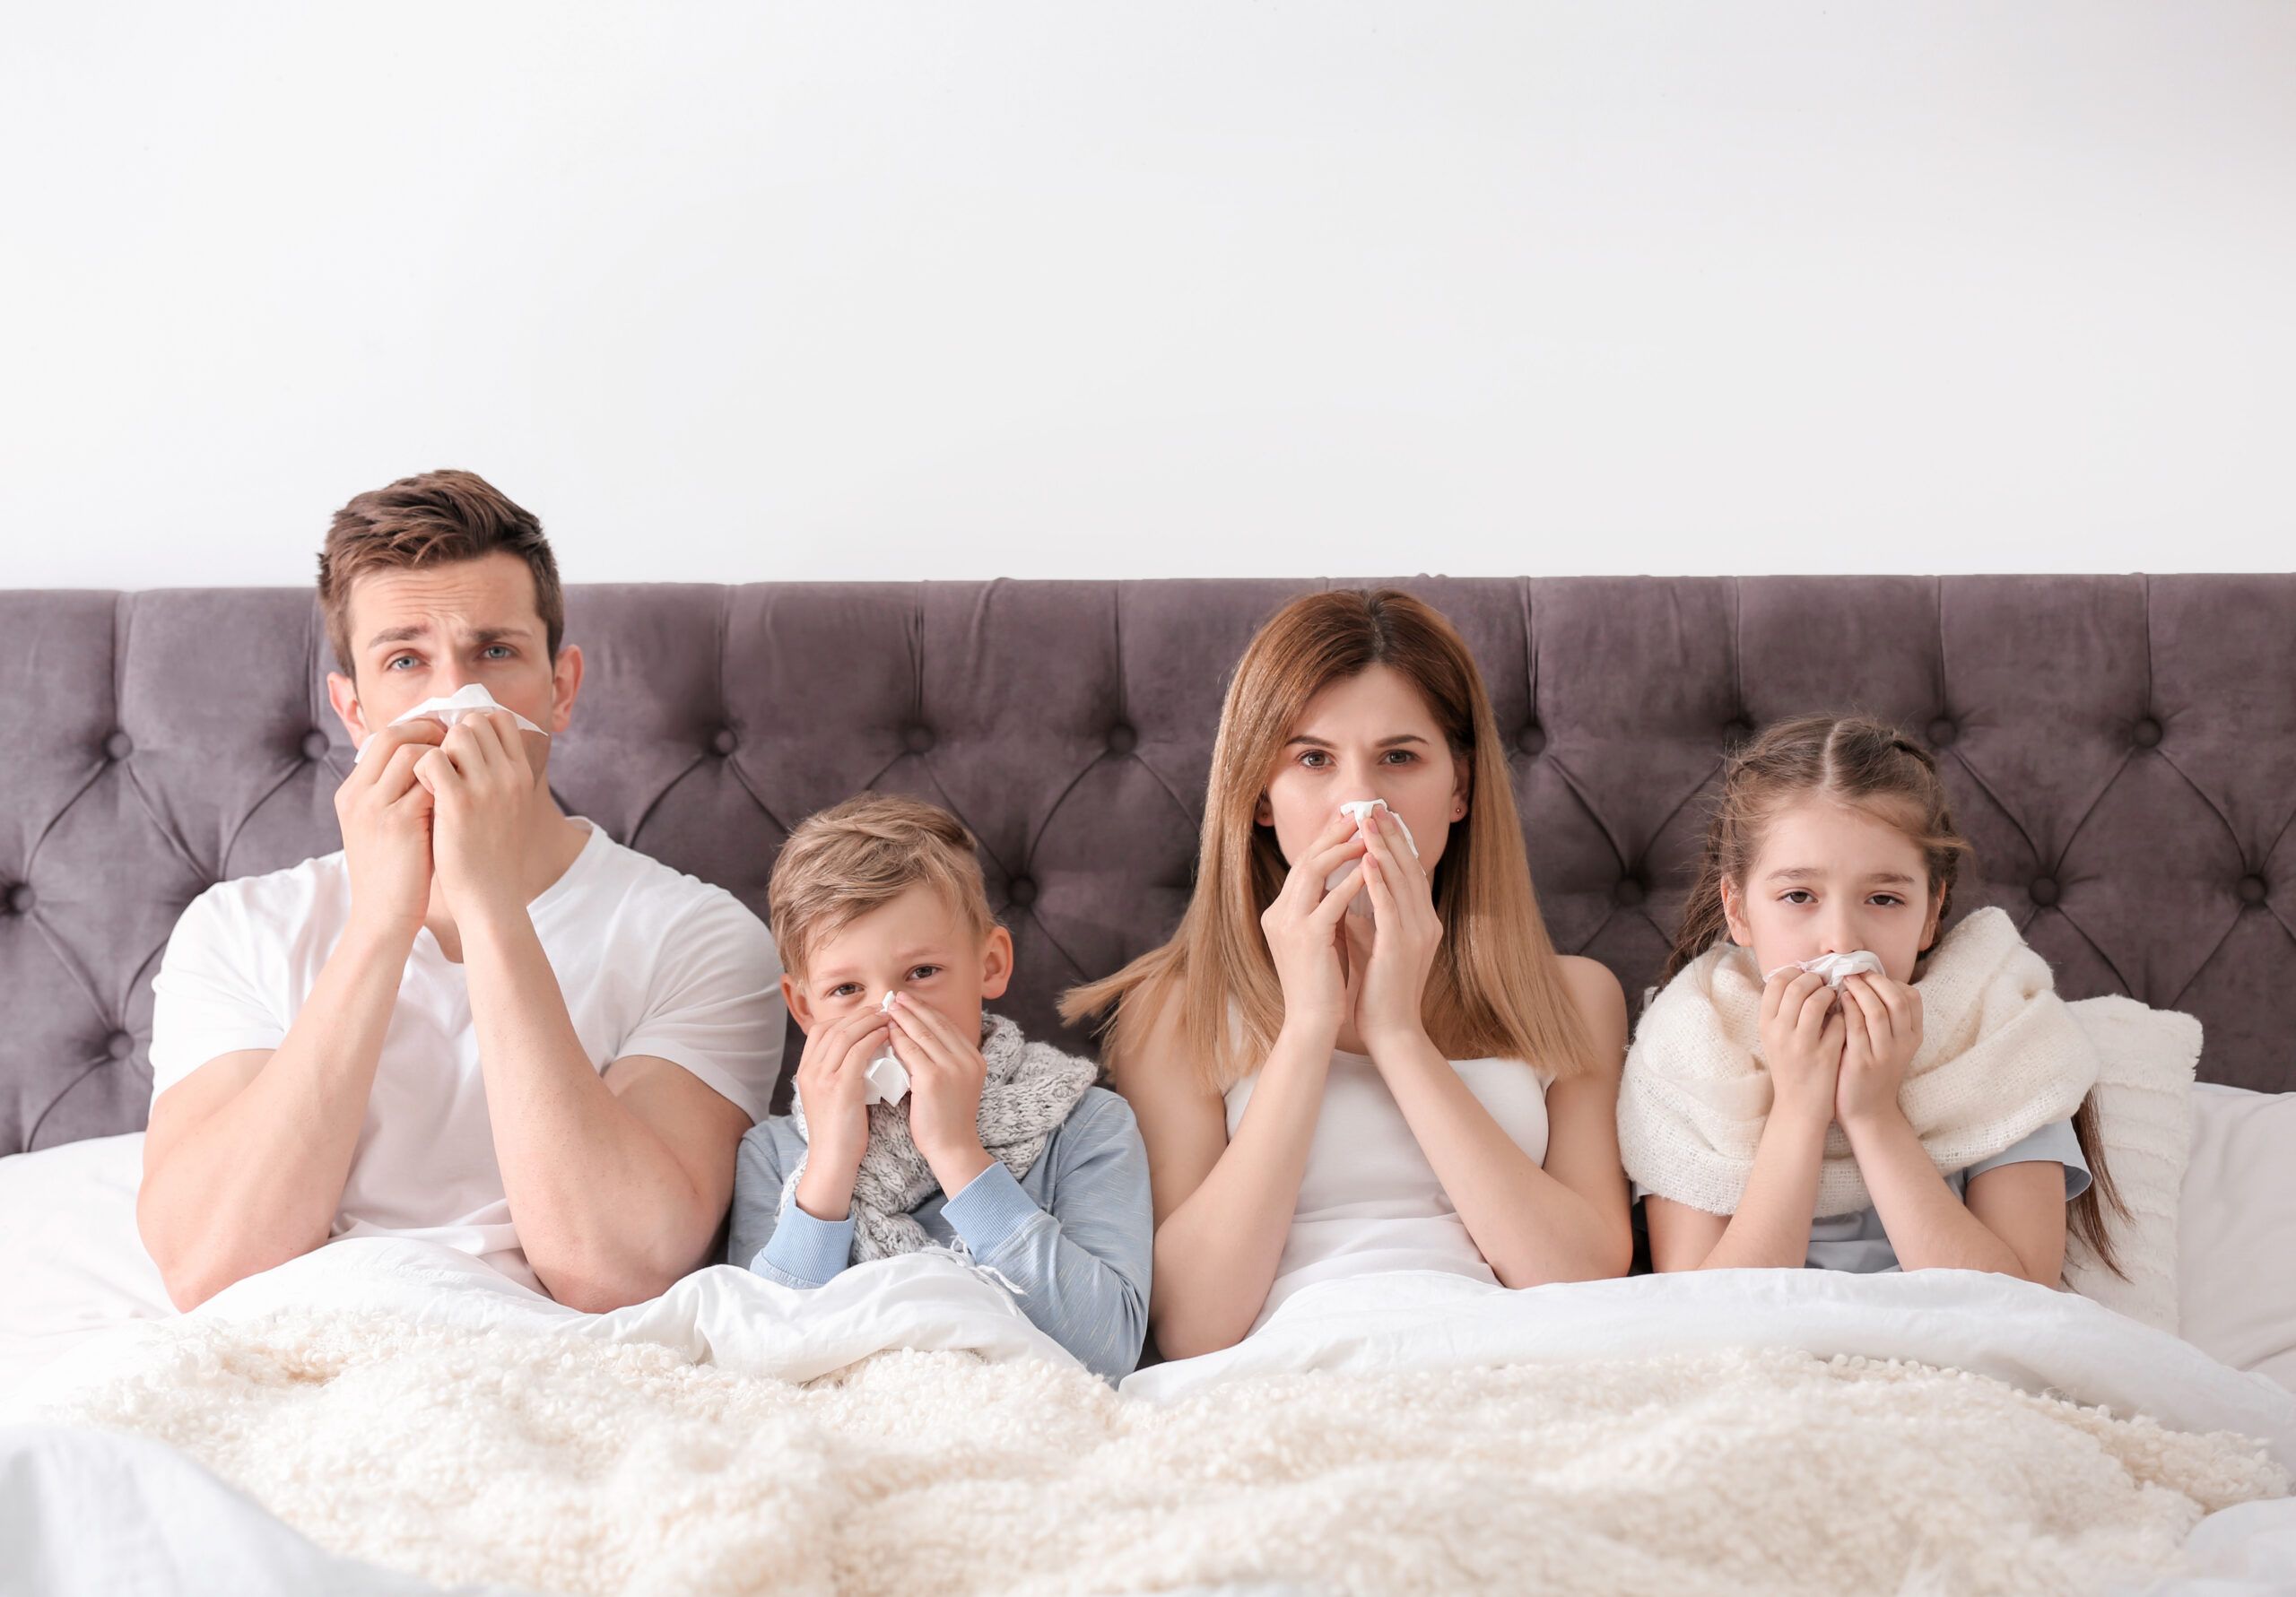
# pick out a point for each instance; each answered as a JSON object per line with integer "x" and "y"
{"x": 844, "y": 861}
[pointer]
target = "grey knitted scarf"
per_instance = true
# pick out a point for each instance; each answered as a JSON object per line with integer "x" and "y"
{"x": 1028, "y": 1091}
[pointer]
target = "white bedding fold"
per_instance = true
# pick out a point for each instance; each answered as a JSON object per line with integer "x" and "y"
{"x": 2036, "y": 1340}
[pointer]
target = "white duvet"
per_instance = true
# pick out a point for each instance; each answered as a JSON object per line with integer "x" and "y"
{"x": 1731, "y": 1432}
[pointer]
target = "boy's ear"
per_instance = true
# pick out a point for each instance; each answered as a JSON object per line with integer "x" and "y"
{"x": 343, "y": 693}
{"x": 1733, "y": 911}
{"x": 794, "y": 996}
{"x": 997, "y": 963}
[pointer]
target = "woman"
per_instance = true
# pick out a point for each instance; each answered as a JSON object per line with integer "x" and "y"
{"x": 1359, "y": 1052}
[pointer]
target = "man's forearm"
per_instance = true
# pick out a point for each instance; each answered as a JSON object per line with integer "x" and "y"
{"x": 258, "y": 1181}
{"x": 605, "y": 1213}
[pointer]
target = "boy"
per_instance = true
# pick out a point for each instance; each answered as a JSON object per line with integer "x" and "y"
{"x": 1001, "y": 1149}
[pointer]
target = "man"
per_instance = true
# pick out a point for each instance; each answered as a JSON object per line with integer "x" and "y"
{"x": 484, "y": 1023}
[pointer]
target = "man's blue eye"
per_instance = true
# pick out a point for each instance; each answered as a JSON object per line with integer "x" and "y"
{"x": 400, "y": 660}
{"x": 499, "y": 651}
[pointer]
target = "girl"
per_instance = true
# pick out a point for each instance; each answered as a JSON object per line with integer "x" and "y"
{"x": 1932, "y": 1111}
{"x": 1359, "y": 1052}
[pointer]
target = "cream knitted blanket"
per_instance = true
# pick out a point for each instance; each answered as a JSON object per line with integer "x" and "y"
{"x": 2001, "y": 1056}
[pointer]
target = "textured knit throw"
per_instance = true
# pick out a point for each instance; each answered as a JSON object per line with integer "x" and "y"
{"x": 1028, "y": 1091}
{"x": 2001, "y": 1056}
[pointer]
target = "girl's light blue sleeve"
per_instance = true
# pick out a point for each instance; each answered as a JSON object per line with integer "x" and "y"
{"x": 2055, "y": 1143}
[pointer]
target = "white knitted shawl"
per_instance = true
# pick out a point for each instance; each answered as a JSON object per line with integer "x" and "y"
{"x": 2001, "y": 1056}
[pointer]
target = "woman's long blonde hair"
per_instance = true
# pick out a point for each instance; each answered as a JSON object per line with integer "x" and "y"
{"x": 1496, "y": 989}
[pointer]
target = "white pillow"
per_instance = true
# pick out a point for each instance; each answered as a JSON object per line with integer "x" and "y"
{"x": 69, "y": 1251}
{"x": 2238, "y": 1271}
{"x": 2145, "y": 1059}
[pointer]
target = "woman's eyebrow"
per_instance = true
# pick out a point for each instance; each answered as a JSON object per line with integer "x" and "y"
{"x": 1310, "y": 739}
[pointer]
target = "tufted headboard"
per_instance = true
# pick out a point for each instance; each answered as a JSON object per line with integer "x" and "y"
{"x": 2122, "y": 750}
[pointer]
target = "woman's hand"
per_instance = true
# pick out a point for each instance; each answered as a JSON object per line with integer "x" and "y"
{"x": 1882, "y": 1032}
{"x": 1405, "y": 931}
{"x": 1302, "y": 929}
{"x": 1802, "y": 1032}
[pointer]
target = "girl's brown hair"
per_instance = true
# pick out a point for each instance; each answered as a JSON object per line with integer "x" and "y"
{"x": 1496, "y": 989}
{"x": 1866, "y": 764}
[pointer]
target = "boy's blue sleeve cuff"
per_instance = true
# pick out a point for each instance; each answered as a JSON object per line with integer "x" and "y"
{"x": 991, "y": 1209}
{"x": 807, "y": 1250}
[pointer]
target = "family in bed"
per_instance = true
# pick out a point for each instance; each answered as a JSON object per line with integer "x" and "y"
{"x": 487, "y": 1025}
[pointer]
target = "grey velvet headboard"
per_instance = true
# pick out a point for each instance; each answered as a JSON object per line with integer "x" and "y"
{"x": 2122, "y": 749}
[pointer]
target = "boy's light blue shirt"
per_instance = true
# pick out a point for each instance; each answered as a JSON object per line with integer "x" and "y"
{"x": 1075, "y": 1235}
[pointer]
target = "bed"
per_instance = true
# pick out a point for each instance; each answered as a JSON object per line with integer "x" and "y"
{"x": 2122, "y": 749}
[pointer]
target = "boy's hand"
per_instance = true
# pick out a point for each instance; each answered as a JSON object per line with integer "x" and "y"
{"x": 832, "y": 1084}
{"x": 945, "y": 1074}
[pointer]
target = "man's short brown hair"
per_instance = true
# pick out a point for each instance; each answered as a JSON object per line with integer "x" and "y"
{"x": 430, "y": 520}
{"x": 844, "y": 861}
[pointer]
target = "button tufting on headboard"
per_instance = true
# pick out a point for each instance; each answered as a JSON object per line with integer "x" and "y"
{"x": 1005, "y": 701}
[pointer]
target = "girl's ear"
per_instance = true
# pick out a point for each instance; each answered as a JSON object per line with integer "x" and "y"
{"x": 1262, "y": 812}
{"x": 1465, "y": 769}
{"x": 794, "y": 996}
{"x": 997, "y": 963}
{"x": 1936, "y": 914}
{"x": 1733, "y": 911}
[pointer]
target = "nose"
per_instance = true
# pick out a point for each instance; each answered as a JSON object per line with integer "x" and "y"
{"x": 1838, "y": 934}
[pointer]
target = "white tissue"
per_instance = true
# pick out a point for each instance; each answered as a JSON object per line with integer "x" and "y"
{"x": 467, "y": 699}
{"x": 887, "y": 1077}
{"x": 1358, "y": 809}
{"x": 1835, "y": 967}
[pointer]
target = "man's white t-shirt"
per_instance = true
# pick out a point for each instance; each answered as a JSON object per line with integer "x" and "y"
{"x": 650, "y": 960}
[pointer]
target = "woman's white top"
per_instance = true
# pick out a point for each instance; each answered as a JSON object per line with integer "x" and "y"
{"x": 1369, "y": 1201}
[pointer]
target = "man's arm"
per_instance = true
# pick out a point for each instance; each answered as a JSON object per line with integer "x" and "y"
{"x": 617, "y": 1182}
{"x": 245, "y": 1162}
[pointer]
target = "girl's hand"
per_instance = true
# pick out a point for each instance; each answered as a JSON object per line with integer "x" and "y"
{"x": 1302, "y": 928}
{"x": 833, "y": 1086}
{"x": 945, "y": 1076}
{"x": 1405, "y": 932}
{"x": 1802, "y": 1031}
{"x": 1883, "y": 1033}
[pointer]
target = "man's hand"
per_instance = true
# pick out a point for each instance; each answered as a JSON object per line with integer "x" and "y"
{"x": 482, "y": 784}
{"x": 832, "y": 1085}
{"x": 945, "y": 1076}
{"x": 385, "y": 813}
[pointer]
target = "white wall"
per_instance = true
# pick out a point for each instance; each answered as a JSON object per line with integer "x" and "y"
{"x": 778, "y": 291}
